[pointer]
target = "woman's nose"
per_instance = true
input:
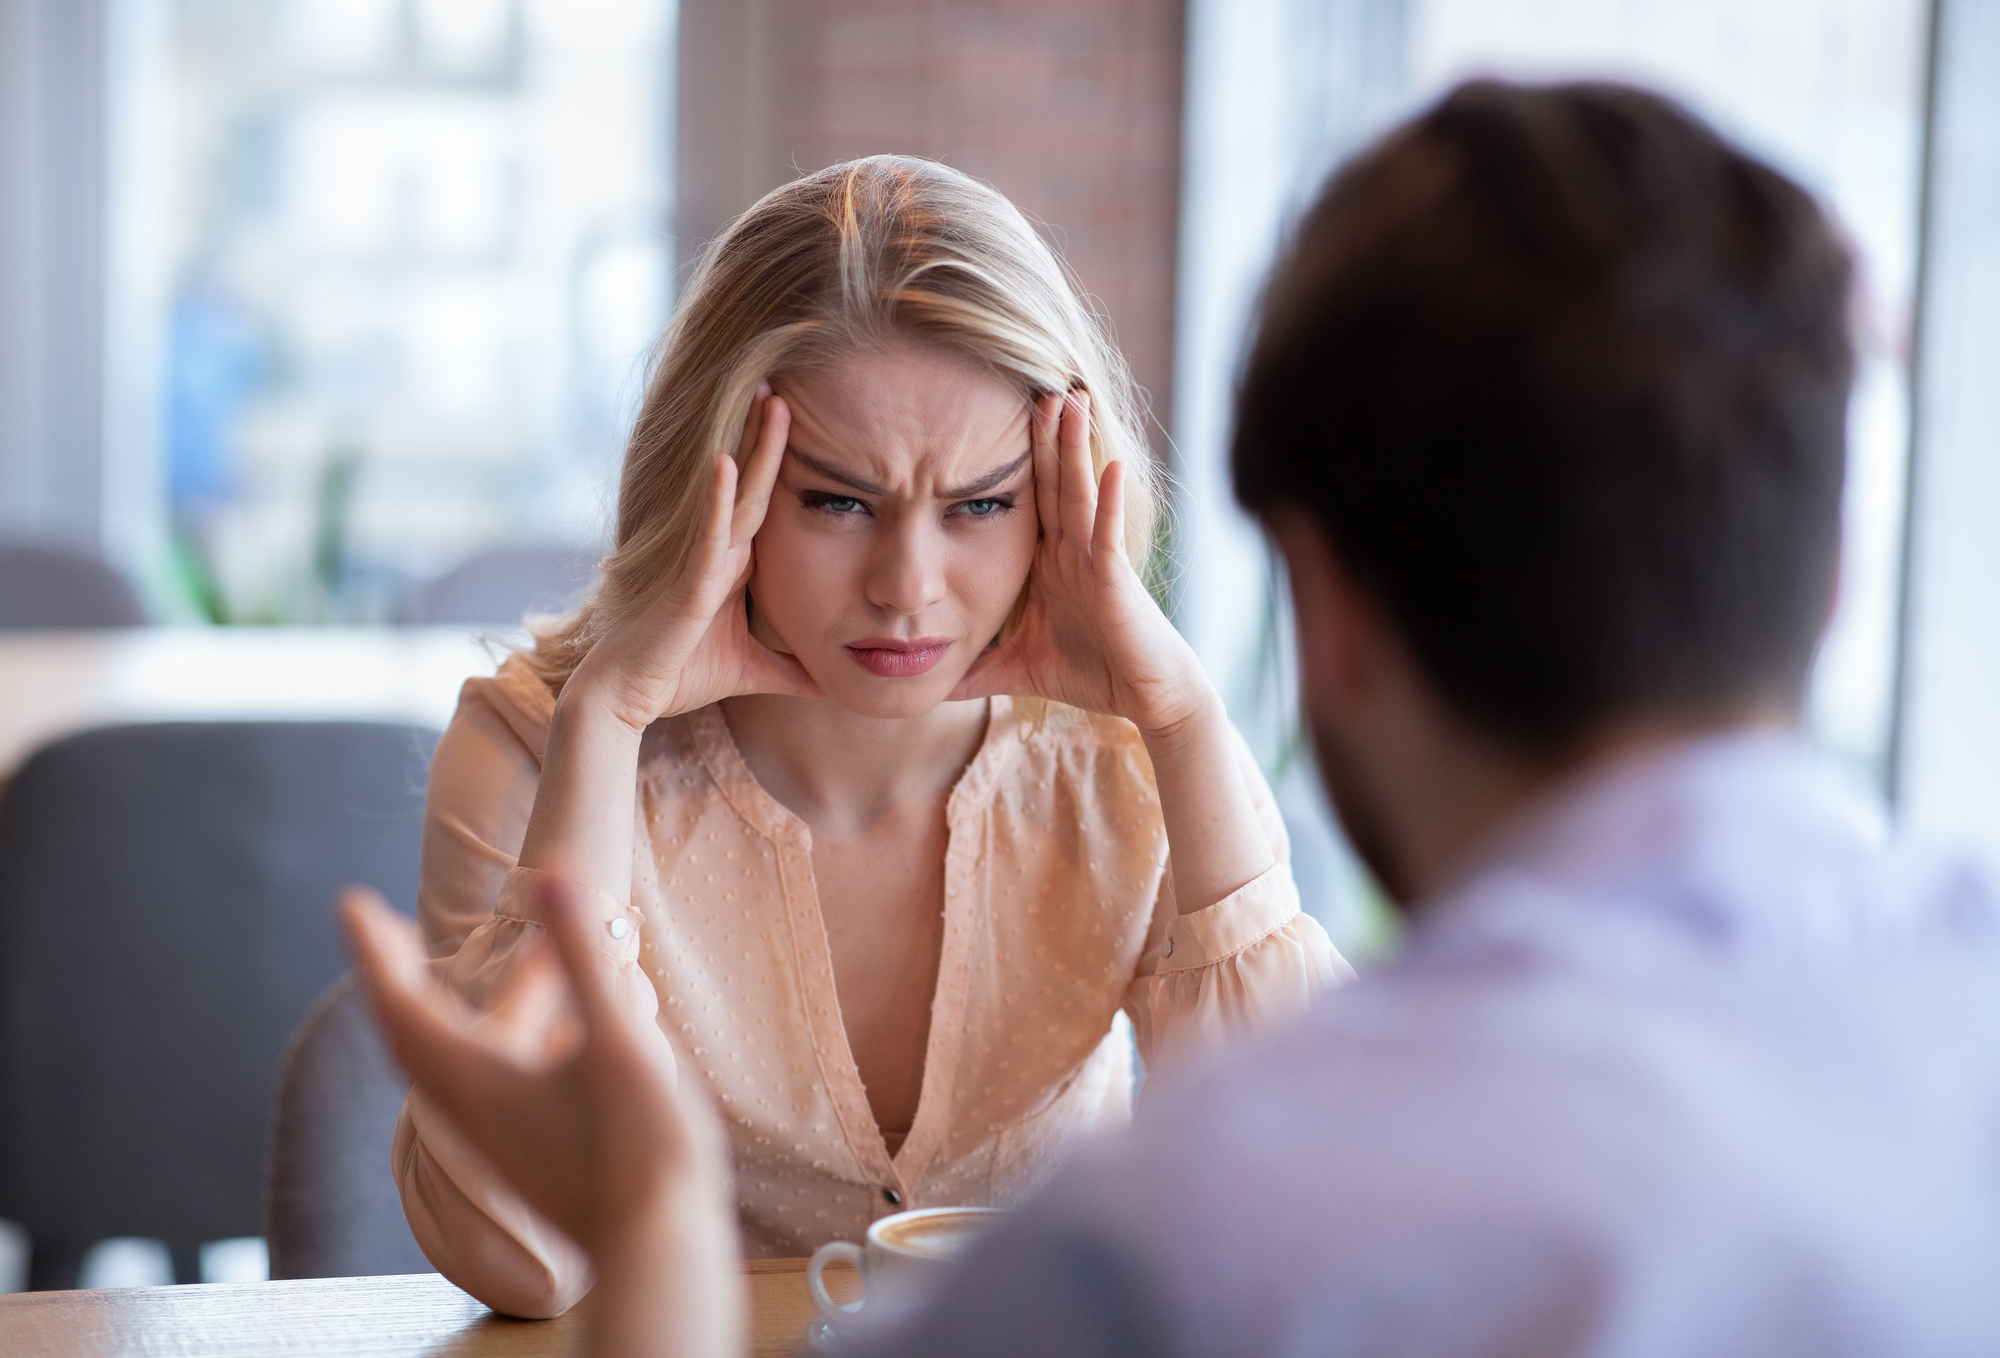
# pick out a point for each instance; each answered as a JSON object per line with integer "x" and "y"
{"x": 906, "y": 573}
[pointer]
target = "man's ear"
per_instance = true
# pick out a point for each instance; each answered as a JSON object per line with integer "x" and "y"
{"x": 1341, "y": 633}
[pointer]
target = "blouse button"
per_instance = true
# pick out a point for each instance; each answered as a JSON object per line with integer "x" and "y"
{"x": 619, "y": 928}
{"x": 892, "y": 1197}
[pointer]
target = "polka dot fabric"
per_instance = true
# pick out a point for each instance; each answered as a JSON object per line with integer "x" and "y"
{"x": 1058, "y": 918}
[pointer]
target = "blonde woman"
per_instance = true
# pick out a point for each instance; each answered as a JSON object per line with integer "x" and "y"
{"x": 885, "y": 783}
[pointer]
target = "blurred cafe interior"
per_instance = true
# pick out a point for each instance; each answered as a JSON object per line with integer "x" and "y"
{"x": 323, "y": 324}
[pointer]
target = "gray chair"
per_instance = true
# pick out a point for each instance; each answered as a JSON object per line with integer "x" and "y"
{"x": 164, "y": 922}
{"x": 331, "y": 1209}
{"x": 50, "y": 587}
{"x": 499, "y": 588}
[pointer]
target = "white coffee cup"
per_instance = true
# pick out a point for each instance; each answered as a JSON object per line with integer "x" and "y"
{"x": 902, "y": 1253}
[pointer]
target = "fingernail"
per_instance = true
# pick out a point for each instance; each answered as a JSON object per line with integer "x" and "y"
{"x": 763, "y": 390}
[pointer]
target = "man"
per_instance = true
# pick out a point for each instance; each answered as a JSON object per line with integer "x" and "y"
{"x": 1546, "y": 415}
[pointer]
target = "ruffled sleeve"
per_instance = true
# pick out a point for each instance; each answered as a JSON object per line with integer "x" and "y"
{"x": 477, "y": 910}
{"x": 471, "y": 1226}
{"x": 1251, "y": 959}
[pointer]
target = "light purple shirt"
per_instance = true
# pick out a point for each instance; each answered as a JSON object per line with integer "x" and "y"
{"x": 1693, "y": 1061}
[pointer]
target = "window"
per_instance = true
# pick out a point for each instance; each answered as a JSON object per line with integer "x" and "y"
{"x": 1832, "y": 94}
{"x": 410, "y": 258}
{"x": 1831, "y": 91}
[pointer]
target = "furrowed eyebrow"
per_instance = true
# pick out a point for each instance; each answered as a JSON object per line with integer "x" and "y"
{"x": 979, "y": 486}
{"x": 975, "y": 487}
{"x": 833, "y": 473}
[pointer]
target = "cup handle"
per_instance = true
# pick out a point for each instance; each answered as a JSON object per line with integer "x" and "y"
{"x": 833, "y": 1251}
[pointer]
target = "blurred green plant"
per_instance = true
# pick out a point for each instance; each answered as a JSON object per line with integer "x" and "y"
{"x": 333, "y": 525}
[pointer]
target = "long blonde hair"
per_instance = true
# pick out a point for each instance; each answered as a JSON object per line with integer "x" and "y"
{"x": 847, "y": 260}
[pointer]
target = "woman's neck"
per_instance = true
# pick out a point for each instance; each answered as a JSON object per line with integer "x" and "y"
{"x": 840, "y": 772}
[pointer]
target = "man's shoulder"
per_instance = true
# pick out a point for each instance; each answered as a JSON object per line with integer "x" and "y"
{"x": 1525, "y": 1148}
{"x": 1521, "y": 1060}
{"x": 1470, "y": 1074}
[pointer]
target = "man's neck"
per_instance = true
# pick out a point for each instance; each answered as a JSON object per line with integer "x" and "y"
{"x": 1458, "y": 790}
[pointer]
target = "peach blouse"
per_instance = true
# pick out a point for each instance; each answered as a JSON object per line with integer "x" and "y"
{"x": 1058, "y": 913}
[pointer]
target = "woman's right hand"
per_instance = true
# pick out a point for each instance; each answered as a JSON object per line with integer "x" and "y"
{"x": 691, "y": 645}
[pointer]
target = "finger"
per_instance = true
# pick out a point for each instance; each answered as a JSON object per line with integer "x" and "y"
{"x": 1078, "y": 498}
{"x": 620, "y": 1049}
{"x": 383, "y": 944}
{"x": 713, "y": 547}
{"x": 1042, "y": 444}
{"x": 753, "y": 423}
{"x": 526, "y": 1014}
{"x": 570, "y": 929}
{"x": 760, "y": 471}
{"x": 1107, "y": 538}
{"x": 422, "y": 1030}
{"x": 563, "y": 916}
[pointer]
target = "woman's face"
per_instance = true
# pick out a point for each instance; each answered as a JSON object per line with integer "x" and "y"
{"x": 901, "y": 528}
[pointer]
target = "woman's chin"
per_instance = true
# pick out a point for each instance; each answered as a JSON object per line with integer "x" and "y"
{"x": 890, "y": 706}
{"x": 867, "y": 695}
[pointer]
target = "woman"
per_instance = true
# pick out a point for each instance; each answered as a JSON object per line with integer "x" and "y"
{"x": 871, "y": 750}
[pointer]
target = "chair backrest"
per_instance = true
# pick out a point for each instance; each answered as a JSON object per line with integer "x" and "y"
{"x": 164, "y": 922}
{"x": 331, "y": 1209}
{"x": 44, "y": 587}
{"x": 500, "y": 587}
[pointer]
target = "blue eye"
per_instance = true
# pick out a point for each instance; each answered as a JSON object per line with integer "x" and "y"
{"x": 836, "y": 504}
{"x": 981, "y": 509}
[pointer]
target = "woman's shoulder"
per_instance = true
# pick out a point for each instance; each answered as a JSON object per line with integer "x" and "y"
{"x": 519, "y": 701}
{"x": 515, "y": 698}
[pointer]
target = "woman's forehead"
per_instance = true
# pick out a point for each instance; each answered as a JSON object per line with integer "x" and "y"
{"x": 906, "y": 415}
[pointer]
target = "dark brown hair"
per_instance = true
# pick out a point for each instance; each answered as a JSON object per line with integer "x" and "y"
{"x": 1563, "y": 375}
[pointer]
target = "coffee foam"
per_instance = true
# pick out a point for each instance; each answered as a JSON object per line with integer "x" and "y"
{"x": 936, "y": 1237}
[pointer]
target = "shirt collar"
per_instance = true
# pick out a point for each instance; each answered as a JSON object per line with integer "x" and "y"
{"x": 1747, "y": 841}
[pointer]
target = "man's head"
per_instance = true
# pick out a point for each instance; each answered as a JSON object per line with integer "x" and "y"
{"x": 1555, "y": 382}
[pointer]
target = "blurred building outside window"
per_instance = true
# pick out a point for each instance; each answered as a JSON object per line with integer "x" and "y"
{"x": 410, "y": 256}
{"x": 1830, "y": 91}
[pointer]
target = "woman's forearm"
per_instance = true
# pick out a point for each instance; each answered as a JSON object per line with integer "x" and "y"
{"x": 1213, "y": 831}
{"x": 581, "y": 825}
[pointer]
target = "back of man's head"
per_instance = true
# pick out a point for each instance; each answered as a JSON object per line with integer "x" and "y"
{"x": 1563, "y": 378}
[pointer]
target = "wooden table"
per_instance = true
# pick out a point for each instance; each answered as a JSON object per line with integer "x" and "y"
{"x": 56, "y": 683}
{"x": 419, "y": 1313}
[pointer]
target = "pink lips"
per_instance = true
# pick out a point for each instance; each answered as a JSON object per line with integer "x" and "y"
{"x": 893, "y": 659}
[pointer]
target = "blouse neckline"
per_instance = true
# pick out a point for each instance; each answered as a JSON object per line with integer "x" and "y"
{"x": 717, "y": 751}
{"x": 715, "y": 746}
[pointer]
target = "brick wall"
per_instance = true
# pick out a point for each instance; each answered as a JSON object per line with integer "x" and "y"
{"x": 1069, "y": 107}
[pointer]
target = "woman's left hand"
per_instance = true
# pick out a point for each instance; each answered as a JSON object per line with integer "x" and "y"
{"x": 1091, "y": 635}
